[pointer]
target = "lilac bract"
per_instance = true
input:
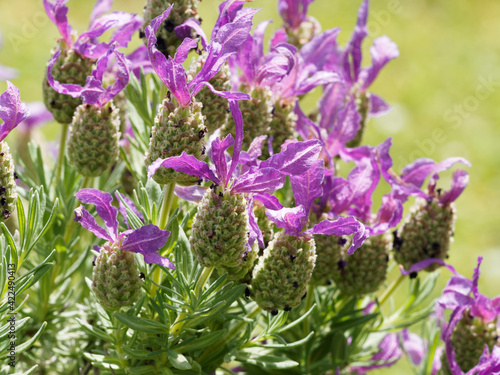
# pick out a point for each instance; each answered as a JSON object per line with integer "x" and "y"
{"x": 171, "y": 71}
{"x": 146, "y": 240}
{"x": 94, "y": 92}
{"x": 86, "y": 44}
{"x": 12, "y": 110}
{"x": 461, "y": 295}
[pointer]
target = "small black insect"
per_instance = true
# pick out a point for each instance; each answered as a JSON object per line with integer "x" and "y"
{"x": 397, "y": 242}
{"x": 16, "y": 176}
{"x": 274, "y": 312}
{"x": 142, "y": 276}
{"x": 292, "y": 257}
{"x": 141, "y": 34}
{"x": 287, "y": 308}
{"x": 201, "y": 134}
{"x": 247, "y": 293}
{"x": 413, "y": 275}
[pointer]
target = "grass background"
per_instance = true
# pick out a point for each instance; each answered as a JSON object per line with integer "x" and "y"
{"x": 444, "y": 87}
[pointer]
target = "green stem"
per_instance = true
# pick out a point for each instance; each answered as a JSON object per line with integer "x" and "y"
{"x": 162, "y": 223}
{"x": 238, "y": 329}
{"x": 62, "y": 151}
{"x": 198, "y": 289}
{"x": 387, "y": 293}
{"x": 165, "y": 206}
{"x": 119, "y": 344}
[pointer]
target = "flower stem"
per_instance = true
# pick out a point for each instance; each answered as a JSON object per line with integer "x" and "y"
{"x": 86, "y": 182}
{"x": 162, "y": 223}
{"x": 62, "y": 151}
{"x": 387, "y": 293}
{"x": 233, "y": 333}
{"x": 165, "y": 205}
{"x": 198, "y": 289}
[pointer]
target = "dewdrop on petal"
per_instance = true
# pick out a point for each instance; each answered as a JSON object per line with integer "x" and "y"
{"x": 219, "y": 233}
{"x": 167, "y": 39}
{"x": 93, "y": 142}
{"x": 281, "y": 275}
{"x": 115, "y": 280}
{"x": 364, "y": 271}
{"x": 12, "y": 112}
{"x": 176, "y": 130}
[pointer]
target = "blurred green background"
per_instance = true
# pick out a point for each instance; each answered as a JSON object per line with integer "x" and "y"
{"x": 444, "y": 87}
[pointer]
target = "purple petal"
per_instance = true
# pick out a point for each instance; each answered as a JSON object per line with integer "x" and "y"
{"x": 12, "y": 110}
{"x": 342, "y": 226}
{"x": 291, "y": 219}
{"x": 382, "y": 51}
{"x": 260, "y": 180}
{"x": 388, "y": 354}
{"x": 185, "y": 164}
{"x": 238, "y": 120}
{"x": 389, "y": 215}
{"x": 458, "y": 184}
{"x": 322, "y": 49}
{"x": 87, "y": 221}
{"x": 353, "y": 54}
{"x": 195, "y": 25}
{"x": 190, "y": 193}
{"x": 331, "y": 103}
{"x": 269, "y": 201}
{"x": 378, "y": 106}
{"x": 105, "y": 210}
{"x": 172, "y": 74}
{"x": 126, "y": 26}
{"x": 147, "y": 241}
{"x": 228, "y": 10}
{"x": 226, "y": 42}
{"x": 423, "y": 264}
{"x": 250, "y": 156}
{"x": 255, "y": 232}
{"x": 280, "y": 36}
{"x": 307, "y": 186}
{"x": 455, "y": 317}
{"x": 414, "y": 346}
{"x": 219, "y": 158}
{"x": 315, "y": 80}
{"x": 123, "y": 209}
{"x": 158, "y": 259}
{"x": 183, "y": 50}
{"x": 223, "y": 94}
{"x": 483, "y": 308}
{"x": 293, "y": 12}
{"x": 140, "y": 59}
{"x": 100, "y": 7}
{"x": 68, "y": 89}
{"x": 347, "y": 126}
{"x": 57, "y": 12}
{"x": 296, "y": 158}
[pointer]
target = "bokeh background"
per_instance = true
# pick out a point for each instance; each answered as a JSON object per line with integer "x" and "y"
{"x": 444, "y": 89}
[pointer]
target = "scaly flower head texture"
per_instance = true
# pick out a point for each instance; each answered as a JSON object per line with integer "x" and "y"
{"x": 472, "y": 331}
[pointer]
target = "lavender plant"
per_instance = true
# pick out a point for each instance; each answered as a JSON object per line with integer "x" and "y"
{"x": 261, "y": 249}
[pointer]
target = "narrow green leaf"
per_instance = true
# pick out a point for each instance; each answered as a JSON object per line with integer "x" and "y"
{"x": 178, "y": 360}
{"x": 204, "y": 341}
{"x": 141, "y": 324}
{"x": 99, "y": 333}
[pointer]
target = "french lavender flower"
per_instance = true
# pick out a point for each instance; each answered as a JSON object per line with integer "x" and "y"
{"x": 364, "y": 271}
{"x": 77, "y": 54}
{"x": 12, "y": 112}
{"x": 299, "y": 28}
{"x": 427, "y": 231}
{"x": 116, "y": 282}
{"x": 281, "y": 276}
{"x": 94, "y": 139}
{"x": 323, "y": 53}
{"x": 169, "y": 36}
{"x": 473, "y": 329}
{"x": 298, "y": 81}
{"x": 179, "y": 126}
{"x": 259, "y": 72}
{"x": 214, "y": 106}
{"x": 416, "y": 349}
{"x": 224, "y": 229}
